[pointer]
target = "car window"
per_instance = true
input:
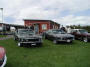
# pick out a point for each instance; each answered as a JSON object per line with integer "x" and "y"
{"x": 58, "y": 32}
{"x": 26, "y": 31}
{"x": 78, "y": 31}
{"x": 83, "y": 31}
{"x": 49, "y": 31}
{"x": 74, "y": 31}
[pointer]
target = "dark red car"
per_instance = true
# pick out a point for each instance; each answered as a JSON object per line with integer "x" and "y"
{"x": 81, "y": 34}
{"x": 3, "y": 57}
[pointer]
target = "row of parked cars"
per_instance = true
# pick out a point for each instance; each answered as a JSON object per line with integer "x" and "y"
{"x": 28, "y": 37}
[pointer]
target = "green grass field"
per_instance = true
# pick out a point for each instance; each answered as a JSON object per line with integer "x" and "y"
{"x": 76, "y": 54}
{"x": 2, "y": 35}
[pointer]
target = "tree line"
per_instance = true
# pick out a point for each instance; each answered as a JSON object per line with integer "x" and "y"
{"x": 80, "y": 27}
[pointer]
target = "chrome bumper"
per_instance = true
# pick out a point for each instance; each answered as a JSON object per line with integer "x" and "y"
{"x": 4, "y": 63}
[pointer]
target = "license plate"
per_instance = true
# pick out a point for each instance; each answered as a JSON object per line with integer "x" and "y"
{"x": 33, "y": 44}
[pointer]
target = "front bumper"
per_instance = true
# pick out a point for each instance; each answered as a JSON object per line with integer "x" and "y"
{"x": 30, "y": 43}
{"x": 4, "y": 63}
{"x": 70, "y": 39}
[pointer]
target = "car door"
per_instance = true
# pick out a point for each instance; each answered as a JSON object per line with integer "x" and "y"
{"x": 78, "y": 34}
{"x": 47, "y": 34}
{"x": 51, "y": 36}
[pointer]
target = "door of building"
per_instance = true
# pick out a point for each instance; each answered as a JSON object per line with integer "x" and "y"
{"x": 36, "y": 28}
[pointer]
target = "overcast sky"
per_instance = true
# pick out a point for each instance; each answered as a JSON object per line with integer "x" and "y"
{"x": 66, "y": 12}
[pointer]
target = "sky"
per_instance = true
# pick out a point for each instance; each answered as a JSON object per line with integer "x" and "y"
{"x": 64, "y": 12}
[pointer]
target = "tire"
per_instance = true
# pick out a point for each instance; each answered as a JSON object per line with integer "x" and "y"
{"x": 54, "y": 41}
{"x": 45, "y": 37}
{"x": 39, "y": 45}
{"x": 71, "y": 42}
{"x": 85, "y": 39}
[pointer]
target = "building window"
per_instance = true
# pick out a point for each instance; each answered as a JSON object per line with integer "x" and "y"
{"x": 44, "y": 26}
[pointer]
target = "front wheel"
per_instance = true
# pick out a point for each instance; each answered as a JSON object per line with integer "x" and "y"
{"x": 85, "y": 39}
{"x": 39, "y": 45}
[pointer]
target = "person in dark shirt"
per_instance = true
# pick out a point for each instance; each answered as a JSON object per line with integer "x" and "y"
{"x": 63, "y": 28}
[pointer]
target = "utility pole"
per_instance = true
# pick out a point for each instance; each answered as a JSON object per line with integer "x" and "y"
{"x": 2, "y": 20}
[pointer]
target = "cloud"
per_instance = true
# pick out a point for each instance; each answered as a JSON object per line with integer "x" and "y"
{"x": 74, "y": 20}
{"x": 45, "y": 9}
{"x": 0, "y": 16}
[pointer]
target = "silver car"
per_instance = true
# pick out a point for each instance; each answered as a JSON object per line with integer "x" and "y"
{"x": 27, "y": 37}
{"x": 58, "y": 35}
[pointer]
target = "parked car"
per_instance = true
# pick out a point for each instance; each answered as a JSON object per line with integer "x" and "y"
{"x": 3, "y": 57}
{"x": 27, "y": 37}
{"x": 81, "y": 34}
{"x": 58, "y": 35}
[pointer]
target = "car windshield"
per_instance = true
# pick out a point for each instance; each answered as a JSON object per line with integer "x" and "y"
{"x": 26, "y": 32}
{"x": 83, "y": 31}
{"x": 58, "y": 32}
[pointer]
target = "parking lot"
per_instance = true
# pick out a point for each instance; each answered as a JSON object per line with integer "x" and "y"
{"x": 76, "y": 54}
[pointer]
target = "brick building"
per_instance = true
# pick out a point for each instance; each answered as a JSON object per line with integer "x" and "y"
{"x": 41, "y": 25}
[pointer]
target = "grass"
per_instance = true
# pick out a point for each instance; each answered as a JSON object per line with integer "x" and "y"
{"x": 2, "y": 35}
{"x": 76, "y": 54}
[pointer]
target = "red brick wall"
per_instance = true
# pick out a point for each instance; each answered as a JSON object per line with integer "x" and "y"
{"x": 41, "y": 30}
{"x": 29, "y": 23}
{"x": 51, "y": 25}
{"x": 54, "y": 26}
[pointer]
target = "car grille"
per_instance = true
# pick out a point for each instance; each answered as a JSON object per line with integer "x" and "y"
{"x": 65, "y": 38}
{"x": 69, "y": 37}
{"x": 30, "y": 40}
{"x": 33, "y": 39}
